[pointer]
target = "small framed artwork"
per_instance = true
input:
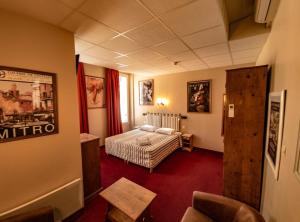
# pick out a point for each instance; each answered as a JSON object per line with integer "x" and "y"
{"x": 275, "y": 129}
{"x": 297, "y": 161}
{"x": 199, "y": 96}
{"x": 28, "y": 104}
{"x": 95, "y": 92}
{"x": 146, "y": 92}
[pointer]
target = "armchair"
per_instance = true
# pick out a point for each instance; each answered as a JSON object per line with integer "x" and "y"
{"x": 214, "y": 208}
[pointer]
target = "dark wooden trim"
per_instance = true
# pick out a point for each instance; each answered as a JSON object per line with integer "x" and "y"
{"x": 92, "y": 195}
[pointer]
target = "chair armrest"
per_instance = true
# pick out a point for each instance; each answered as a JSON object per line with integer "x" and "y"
{"x": 216, "y": 207}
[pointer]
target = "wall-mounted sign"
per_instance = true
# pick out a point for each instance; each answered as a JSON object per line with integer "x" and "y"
{"x": 28, "y": 104}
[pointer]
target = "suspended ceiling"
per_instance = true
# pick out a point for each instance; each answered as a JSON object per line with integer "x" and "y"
{"x": 148, "y": 36}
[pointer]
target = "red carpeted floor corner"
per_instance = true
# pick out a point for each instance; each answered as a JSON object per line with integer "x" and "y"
{"x": 174, "y": 181}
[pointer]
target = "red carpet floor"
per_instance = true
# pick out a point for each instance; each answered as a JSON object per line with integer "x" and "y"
{"x": 174, "y": 181}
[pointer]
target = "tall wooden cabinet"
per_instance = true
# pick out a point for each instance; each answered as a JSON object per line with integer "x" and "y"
{"x": 246, "y": 99}
{"x": 90, "y": 165}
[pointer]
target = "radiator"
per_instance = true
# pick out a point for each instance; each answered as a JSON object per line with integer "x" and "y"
{"x": 65, "y": 200}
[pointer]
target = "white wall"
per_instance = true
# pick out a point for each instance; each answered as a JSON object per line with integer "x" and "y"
{"x": 206, "y": 127}
{"x": 97, "y": 117}
{"x": 281, "y": 199}
{"x": 32, "y": 167}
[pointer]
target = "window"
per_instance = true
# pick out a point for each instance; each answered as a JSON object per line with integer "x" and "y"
{"x": 124, "y": 98}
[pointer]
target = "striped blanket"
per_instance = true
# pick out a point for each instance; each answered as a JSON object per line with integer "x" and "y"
{"x": 125, "y": 146}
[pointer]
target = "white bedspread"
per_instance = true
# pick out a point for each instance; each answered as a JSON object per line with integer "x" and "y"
{"x": 125, "y": 146}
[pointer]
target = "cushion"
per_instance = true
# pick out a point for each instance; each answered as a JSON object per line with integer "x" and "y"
{"x": 167, "y": 131}
{"x": 192, "y": 215}
{"x": 148, "y": 128}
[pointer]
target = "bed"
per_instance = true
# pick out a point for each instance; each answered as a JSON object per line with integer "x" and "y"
{"x": 125, "y": 145}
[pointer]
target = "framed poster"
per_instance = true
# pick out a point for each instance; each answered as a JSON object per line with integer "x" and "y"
{"x": 146, "y": 92}
{"x": 275, "y": 130}
{"x": 95, "y": 92}
{"x": 199, "y": 96}
{"x": 28, "y": 104}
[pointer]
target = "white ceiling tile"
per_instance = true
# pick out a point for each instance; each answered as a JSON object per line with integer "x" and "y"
{"x": 145, "y": 55}
{"x": 160, "y": 62}
{"x": 101, "y": 53}
{"x": 73, "y": 3}
{"x": 150, "y": 34}
{"x": 121, "y": 44}
{"x": 92, "y": 60}
{"x": 218, "y": 49}
{"x": 192, "y": 63}
{"x": 248, "y": 43}
{"x": 194, "y": 17}
{"x": 48, "y": 11}
{"x": 219, "y": 64}
{"x": 237, "y": 61}
{"x": 246, "y": 53}
{"x": 173, "y": 69}
{"x": 208, "y": 37}
{"x": 118, "y": 14}
{"x": 159, "y": 6}
{"x": 170, "y": 48}
{"x": 218, "y": 59}
{"x": 87, "y": 29}
{"x": 81, "y": 45}
{"x": 185, "y": 56}
{"x": 124, "y": 60}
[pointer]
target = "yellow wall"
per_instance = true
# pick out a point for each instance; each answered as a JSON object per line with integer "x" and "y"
{"x": 205, "y": 127}
{"x": 281, "y": 199}
{"x": 97, "y": 117}
{"x": 32, "y": 167}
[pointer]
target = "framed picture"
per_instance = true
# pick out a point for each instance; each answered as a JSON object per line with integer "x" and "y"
{"x": 146, "y": 92}
{"x": 28, "y": 104}
{"x": 95, "y": 92}
{"x": 297, "y": 160}
{"x": 275, "y": 130}
{"x": 199, "y": 96}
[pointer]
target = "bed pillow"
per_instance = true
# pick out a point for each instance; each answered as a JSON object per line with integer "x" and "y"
{"x": 148, "y": 128}
{"x": 143, "y": 141}
{"x": 167, "y": 131}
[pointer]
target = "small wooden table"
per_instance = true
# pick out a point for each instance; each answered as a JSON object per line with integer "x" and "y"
{"x": 128, "y": 201}
{"x": 187, "y": 142}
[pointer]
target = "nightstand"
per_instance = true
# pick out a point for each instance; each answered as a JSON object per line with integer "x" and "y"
{"x": 187, "y": 141}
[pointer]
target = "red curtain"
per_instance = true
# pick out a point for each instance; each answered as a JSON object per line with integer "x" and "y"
{"x": 114, "y": 123}
{"x": 83, "y": 112}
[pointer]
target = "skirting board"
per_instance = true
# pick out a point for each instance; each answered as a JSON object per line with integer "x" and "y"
{"x": 65, "y": 200}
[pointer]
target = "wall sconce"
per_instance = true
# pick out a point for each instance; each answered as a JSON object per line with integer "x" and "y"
{"x": 162, "y": 102}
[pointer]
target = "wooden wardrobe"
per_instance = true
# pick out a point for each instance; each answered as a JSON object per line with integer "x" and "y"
{"x": 244, "y": 133}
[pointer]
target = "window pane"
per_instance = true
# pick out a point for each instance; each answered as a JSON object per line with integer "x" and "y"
{"x": 124, "y": 98}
